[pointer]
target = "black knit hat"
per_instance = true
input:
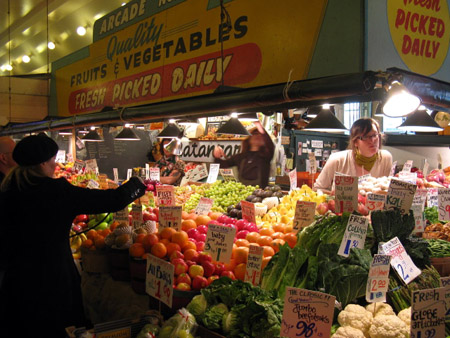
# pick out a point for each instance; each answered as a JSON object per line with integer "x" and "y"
{"x": 33, "y": 150}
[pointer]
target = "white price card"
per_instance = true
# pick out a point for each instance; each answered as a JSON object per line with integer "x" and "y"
{"x": 317, "y": 144}
{"x": 116, "y": 175}
{"x": 147, "y": 171}
{"x": 426, "y": 167}
{"x": 312, "y": 163}
{"x": 420, "y": 197}
{"x": 407, "y": 166}
{"x": 428, "y": 313}
{"x": 60, "y": 156}
{"x": 304, "y": 214}
{"x": 198, "y": 173}
{"x": 154, "y": 174}
{"x": 445, "y": 283}
{"x": 91, "y": 165}
{"x": 400, "y": 195}
{"x": 219, "y": 242}
{"x": 93, "y": 184}
{"x": 307, "y": 313}
{"x": 204, "y": 206}
{"x": 432, "y": 197}
{"x": 408, "y": 176}
{"x": 227, "y": 174}
{"x": 248, "y": 211}
{"x": 129, "y": 173}
{"x": 394, "y": 166}
{"x": 346, "y": 193}
{"x": 69, "y": 157}
{"x": 401, "y": 261}
{"x": 121, "y": 216}
{"x": 444, "y": 204}
{"x": 213, "y": 172}
{"x": 165, "y": 194}
{"x": 378, "y": 281}
{"x": 419, "y": 218}
{"x": 78, "y": 166}
{"x": 137, "y": 219}
{"x": 254, "y": 264}
{"x": 375, "y": 201}
{"x": 355, "y": 234}
{"x": 170, "y": 217}
{"x": 293, "y": 179}
{"x": 159, "y": 280}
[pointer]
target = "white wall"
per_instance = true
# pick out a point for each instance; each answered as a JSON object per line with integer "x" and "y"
{"x": 418, "y": 154}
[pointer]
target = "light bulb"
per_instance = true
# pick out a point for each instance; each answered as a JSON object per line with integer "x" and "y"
{"x": 81, "y": 30}
{"x": 26, "y": 59}
{"x": 51, "y": 45}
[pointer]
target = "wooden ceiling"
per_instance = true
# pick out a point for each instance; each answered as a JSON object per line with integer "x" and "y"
{"x": 27, "y": 25}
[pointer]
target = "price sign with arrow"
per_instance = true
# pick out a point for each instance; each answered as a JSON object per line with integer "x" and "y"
{"x": 219, "y": 242}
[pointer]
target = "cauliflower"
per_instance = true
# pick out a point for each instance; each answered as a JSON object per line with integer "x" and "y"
{"x": 388, "y": 326}
{"x": 357, "y": 317}
{"x": 380, "y": 309}
{"x": 405, "y": 315}
{"x": 348, "y": 332}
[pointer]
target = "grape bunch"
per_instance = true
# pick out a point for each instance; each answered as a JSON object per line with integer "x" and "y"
{"x": 228, "y": 193}
{"x": 192, "y": 202}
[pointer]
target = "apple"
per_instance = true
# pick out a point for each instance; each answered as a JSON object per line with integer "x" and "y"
{"x": 250, "y": 226}
{"x": 199, "y": 282}
{"x": 200, "y": 246}
{"x": 83, "y": 225}
{"x": 183, "y": 287}
{"x": 209, "y": 268}
{"x": 218, "y": 268}
{"x": 184, "y": 278}
{"x": 196, "y": 270}
{"x": 362, "y": 209}
{"x": 77, "y": 228}
{"x": 242, "y": 234}
{"x": 322, "y": 208}
{"x": 192, "y": 233}
{"x": 204, "y": 257}
{"x": 100, "y": 217}
{"x": 214, "y": 222}
{"x": 212, "y": 278}
{"x": 229, "y": 274}
{"x": 222, "y": 219}
{"x": 81, "y": 218}
{"x": 201, "y": 238}
{"x": 332, "y": 205}
{"x": 175, "y": 254}
{"x": 149, "y": 216}
{"x": 240, "y": 224}
{"x": 156, "y": 212}
{"x": 231, "y": 220}
{"x": 102, "y": 226}
{"x": 203, "y": 229}
{"x": 180, "y": 266}
{"x": 189, "y": 263}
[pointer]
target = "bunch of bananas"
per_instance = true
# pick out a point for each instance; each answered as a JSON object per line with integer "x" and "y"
{"x": 75, "y": 243}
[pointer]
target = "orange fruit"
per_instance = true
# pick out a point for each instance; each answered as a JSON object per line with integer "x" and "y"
{"x": 137, "y": 250}
{"x": 167, "y": 233}
{"x": 192, "y": 215}
{"x": 278, "y": 235}
{"x": 276, "y": 243}
{"x": 242, "y": 242}
{"x": 291, "y": 239}
{"x": 214, "y": 214}
{"x": 189, "y": 254}
{"x": 265, "y": 240}
{"x": 184, "y": 214}
{"x": 164, "y": 241}
{"x": 113, "y": 225}
{"x": 149, "y": 240}
{"x": 202, "y": 220}
{"x": 91, "y": 234}
{"x": 87, "y": 243}
{"x": 265, "y": 260}
{"x": 239, "y": 271}
{"x": 230, "y": 265}
{"x": 180, "y": 237}
{"x": 188, "y": 245}
{"x": 105, "y": 232}
{"x": 188, "y": 224}
{"x": 140, "y": 238}
{"x": 266, "y": 231}
{"x": 159, "y": 250}
{"x": 253, "y": 237}
{"x": 171, "y": 247}
{"x": 288, "y": 228}
{"x": 240, "y": 254}
{"x": 99, "y": 242}
{"x": 278, "y": 227}
{"x": 268, "y": 251}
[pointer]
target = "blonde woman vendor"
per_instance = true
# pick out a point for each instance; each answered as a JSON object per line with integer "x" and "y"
{"x": 363, "y": 156}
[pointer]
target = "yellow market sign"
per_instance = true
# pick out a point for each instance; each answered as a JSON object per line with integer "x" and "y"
{"x": 420, "y": 30}
{"x": 175, "y": 49}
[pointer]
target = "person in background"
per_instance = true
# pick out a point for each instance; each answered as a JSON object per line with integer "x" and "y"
{"x": 363, "y": 156}
{"x": 41, "y": 286}
{"x": 171, "y": 166}
{"x": 253, "y": 162}
{"x": 7, "y": 162}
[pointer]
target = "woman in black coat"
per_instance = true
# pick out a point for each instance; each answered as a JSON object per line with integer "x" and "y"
{"x": 41, "y": 285}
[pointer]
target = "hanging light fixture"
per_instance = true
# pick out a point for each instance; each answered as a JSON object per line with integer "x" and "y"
{"x": 233, "y": 127}
{"x": 379, "y": 110}
{"x": 325, "y": 121}
{"x": 174, "y": 146}
{"x": 400, "y": 102}
{"x": 127, "y": 134}
{"x": 92, "y": 136}
{"x": 420, "y": 121}
{"x": 248, "y": 117}
{"x": 170, "y": 131}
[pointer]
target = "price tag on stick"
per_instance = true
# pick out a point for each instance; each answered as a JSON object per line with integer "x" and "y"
{"x": 432, "y": 197}
{"x": 307, "y": 313}
{"x": 219, "y": 242}
{"x": 165, "y": 194}
{"x": 304, "y": 214}
{"x": 444, "y": 204}
{"x": 378, "y": 281}
{"x": 400, "y": 261}
{"x": 154, "y": 174}
{"x": 170, "y": 217}
{"x": 159, "y": 280}
{"x": 428, "y": 313}
{"x": 248, "y": 211}
{"x": 293, "y": 179}
{"x": 375, "y": 201}
{"x": 213, "y": 172}
{"x": 445, "y": 283}
{"x": 355, "y": 234}
{"x": 136, "y": 216}
{"x": 121, "y": 216}
{"x": 254, "y": 264}
{"x": 346, "y": 192}
{"x": 400, "y": 195}
{"x": 204, "y": 206}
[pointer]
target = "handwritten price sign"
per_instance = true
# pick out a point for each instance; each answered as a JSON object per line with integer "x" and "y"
{"x": 428, "y": 313}
{"x": 227, "y": 174}
{"x": 248, "y": 211}
{"x": 254, "y": 264}
{"x": 355, "y": 234}
{"x": 401, "y": 261}
{"x": 400, "y": 195}
{"x": 204, "y": 206}
{"x": 170, "y": 217}
{"x": 307, "y": 313}
{"x": 444, "y": 204}
{"x": 378, "y": 281}
{"x": 136, "y": 216}
{"x": 91, "y": 165}
{"x": 293, "y": 179}
{"x": 213, "y": 172}
{"x": 121, "y": 216}
{"x": 154, "y": 174}
{"x": 346, "y": 193}
{"x": 304, "y": 214}
{"x": 165, "y": 194}
{"x": 432, "y": 197}
{"x": 375, "y": 201}
{"x": 219, "y": 242}
{"x": 159, "y": 280}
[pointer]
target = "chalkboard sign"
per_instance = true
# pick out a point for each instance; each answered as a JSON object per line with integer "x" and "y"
{"x": 117, "y": 154}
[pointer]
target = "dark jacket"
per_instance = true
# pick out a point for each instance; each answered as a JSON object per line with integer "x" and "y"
{"x": 41, "y": 288}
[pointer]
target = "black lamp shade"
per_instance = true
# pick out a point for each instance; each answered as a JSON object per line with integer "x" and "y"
{"x": 399, "y": 101}
{"x": 420, "y": 121}
{"x": 233, "y": 127}
{"x": 92, "y": 136}
{"x": 325, "y": 122}
{"x": 127, "y": 134}
{"x": 170, "y": 131}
